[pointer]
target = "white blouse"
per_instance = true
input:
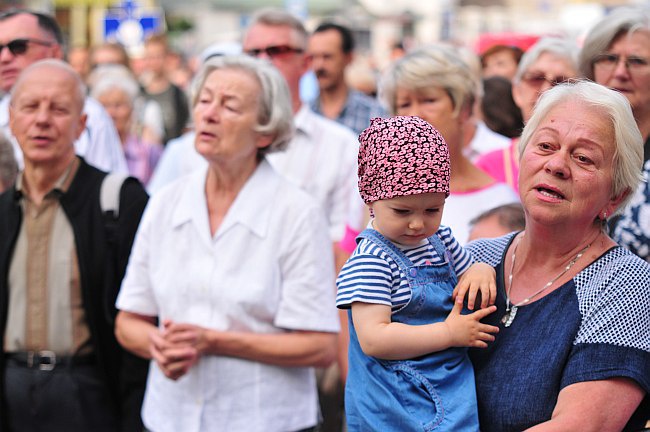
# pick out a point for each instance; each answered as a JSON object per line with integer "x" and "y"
{"x": 268, "y": 269}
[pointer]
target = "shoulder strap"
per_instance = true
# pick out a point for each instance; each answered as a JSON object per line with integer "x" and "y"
{"x": 109, "y": 194}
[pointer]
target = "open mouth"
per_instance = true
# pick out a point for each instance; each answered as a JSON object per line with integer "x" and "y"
{"x": 549, "y": 193}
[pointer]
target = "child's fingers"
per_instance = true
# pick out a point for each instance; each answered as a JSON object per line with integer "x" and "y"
{"x": 493, "y": 292}
{"x": 471, "y": 298}
{"x": 458, "y": 306}
{"x": 485, "y": 328}
{"x": 482, "y": 313}
{"x": 460, "y": 290}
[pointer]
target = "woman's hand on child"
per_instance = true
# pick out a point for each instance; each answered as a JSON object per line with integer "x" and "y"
{"x": 480, "y": 278}
{"x": 467, "y": 330}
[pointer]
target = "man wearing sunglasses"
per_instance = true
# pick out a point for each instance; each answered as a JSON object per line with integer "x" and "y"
{"x": 26, "y": 37}
{"x": 321, "y": 158}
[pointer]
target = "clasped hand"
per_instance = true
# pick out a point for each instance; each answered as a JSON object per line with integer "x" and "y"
{"x": 177, "y": 347}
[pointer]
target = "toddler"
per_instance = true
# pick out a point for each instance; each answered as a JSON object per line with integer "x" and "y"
{"x": 408, "y": 363}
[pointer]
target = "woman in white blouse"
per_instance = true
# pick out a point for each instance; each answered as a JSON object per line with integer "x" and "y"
{"x": 236, "y": 264}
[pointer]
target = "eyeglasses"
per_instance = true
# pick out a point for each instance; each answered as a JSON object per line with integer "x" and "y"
{"x": 608, "y": 62}
{"x": 274, "y": 51}
{"x": 20, "y": 46}
{"x": 537, "y": 79}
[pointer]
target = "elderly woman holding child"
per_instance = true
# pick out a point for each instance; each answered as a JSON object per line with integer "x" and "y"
{"x": 230, "y": 261}
{"x": 573, "y": 351}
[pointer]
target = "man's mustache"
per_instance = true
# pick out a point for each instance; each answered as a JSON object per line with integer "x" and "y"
{"x": 320, "y": 73}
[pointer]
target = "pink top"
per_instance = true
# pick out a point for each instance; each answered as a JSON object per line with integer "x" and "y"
{"x": 503, "y": 164}
{"x": 141, "y": 157}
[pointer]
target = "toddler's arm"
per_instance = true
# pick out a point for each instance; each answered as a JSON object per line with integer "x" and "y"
{"x": 479, "y": 278}
{"x": 381, "y": 338}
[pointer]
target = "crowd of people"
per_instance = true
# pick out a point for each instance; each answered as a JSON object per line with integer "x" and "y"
{"x": 462, "y": 245}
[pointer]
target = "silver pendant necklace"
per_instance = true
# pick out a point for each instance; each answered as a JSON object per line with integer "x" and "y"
{"x": 511, "y": 309}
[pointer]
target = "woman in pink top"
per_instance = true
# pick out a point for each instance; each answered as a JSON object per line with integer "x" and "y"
{"x": 547, "y": 63}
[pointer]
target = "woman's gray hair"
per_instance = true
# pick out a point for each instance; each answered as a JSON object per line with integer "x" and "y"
{"x": 8, "y": 165}
{"x": 624, "y": 20}
{"x": 558, "y": 47}
{"x": 628, "y": 153}
{"x": 431, "y": 66}
{"x": 275, "y": 115}
{"x": 108, "y": 77}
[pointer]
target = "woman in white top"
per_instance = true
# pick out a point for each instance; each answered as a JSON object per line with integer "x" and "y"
{"x": 435, "y": 84}
{"x": 233, "y": 261}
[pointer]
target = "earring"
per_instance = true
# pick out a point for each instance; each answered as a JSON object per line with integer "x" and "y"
{"x": 604, "y": 217}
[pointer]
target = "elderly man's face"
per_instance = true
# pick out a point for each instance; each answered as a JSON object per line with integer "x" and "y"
{"x": 45, "y": 115}
{"x": 39, "y": 44}
{"x": 280, "y": 46}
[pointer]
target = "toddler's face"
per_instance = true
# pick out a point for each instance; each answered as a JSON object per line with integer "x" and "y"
{"x": 408, "y": 219}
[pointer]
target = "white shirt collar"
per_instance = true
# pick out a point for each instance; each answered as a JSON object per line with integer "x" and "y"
{"x": 251, "y": 207}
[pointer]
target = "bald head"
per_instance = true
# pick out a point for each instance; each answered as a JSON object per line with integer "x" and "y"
{"x": 46, "y": 113}
{"x": 59, "y": 67}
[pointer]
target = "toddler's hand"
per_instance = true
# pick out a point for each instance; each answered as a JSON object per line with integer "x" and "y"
{"x": 480, "y": 278}
{"x": 467, "y": 330}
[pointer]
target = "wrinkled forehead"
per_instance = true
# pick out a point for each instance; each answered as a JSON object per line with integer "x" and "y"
{"x": 47, "y": 82}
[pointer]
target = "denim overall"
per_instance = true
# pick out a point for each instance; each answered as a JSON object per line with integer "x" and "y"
{"x": 432, "y": 392}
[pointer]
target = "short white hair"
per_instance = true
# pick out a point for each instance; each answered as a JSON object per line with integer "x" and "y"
{"x": 628, "y": 154}
{"x": 275, "y": 115}
{"x": 109, "y": 77}
{"x": 558, "y": 47}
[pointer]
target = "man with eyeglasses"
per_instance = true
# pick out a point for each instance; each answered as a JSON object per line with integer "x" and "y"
{"x": 26, "y": 37}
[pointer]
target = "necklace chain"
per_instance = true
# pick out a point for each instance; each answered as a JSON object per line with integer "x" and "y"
{"x": 511, "y": 312}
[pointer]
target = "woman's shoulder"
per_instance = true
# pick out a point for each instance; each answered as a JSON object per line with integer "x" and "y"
{"x": 490, "y": 250}
{"x": 617, "y": 269}
{"x": 614, "y": 299}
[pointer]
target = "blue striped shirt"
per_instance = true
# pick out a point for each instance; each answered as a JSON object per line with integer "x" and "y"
{"x": 371, "y": 276}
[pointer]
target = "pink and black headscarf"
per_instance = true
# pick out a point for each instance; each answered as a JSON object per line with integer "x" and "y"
{"x": 402, "y": 156}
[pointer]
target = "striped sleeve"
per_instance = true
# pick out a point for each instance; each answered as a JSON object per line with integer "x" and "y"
{"x": 364, "y": 278}
{"x": 461, "y": 258}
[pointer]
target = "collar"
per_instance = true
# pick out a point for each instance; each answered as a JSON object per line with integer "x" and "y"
{"x": 4, "y": 111}
{"x": 251, "y": 208}
{"x": 61, "y": 185}
{"x": 304, "y": 120}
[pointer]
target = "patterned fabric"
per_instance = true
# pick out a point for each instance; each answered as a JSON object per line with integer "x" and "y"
{"x": 633, "y": 228}
{"x": 372, "y": 276}
{"x": 402, "y": 156}
{"x": 594, "y": 327}
{"x": 357, "y": 111}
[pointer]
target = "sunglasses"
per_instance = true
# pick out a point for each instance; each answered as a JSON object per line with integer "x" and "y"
{"x": 538, "y": 79}
{"x": 20, "y": 46}
{"x": 274, "y": 51}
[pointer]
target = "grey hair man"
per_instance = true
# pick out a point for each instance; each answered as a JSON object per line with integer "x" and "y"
{"x": 60, "y": 269}
{"x": 27, "y": 37}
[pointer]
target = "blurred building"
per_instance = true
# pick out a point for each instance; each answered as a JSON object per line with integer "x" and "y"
{"x": 378, "y": 24}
